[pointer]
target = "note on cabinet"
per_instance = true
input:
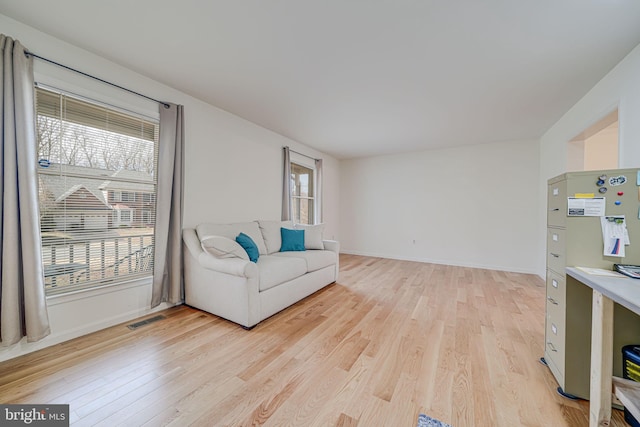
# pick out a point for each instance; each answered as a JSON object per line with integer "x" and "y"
{"x": 579, "y": 206}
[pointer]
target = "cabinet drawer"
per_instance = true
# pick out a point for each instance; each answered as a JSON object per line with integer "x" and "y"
{"x": 555, "y": 287}
{"x": 557, "y": 204}
{"x": 556, "y": 250}
{"x": 555, "y": 335}
{"x": 556, "y": 241}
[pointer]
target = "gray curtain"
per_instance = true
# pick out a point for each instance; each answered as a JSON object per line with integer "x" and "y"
{"x": 23, "y": 306}
{"x": 286, "y": 185}
{"x": 167, "y": 269}
{"x": 318, "y": 196}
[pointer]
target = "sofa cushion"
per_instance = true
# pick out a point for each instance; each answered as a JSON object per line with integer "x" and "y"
{"x": 231, "y": 231}
{"x": 315, "y": 260}
{"x": 275, "y": 270}
{"x": 292, "y": 240}
{"x": 249, "y": 246}
{"x": 271, "y": 233}
{"x": 312, "y": 235}
{"x": 223, "y": 247}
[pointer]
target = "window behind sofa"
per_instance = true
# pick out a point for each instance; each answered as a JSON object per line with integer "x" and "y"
{"x": 302, "y": 194}
{"x": 97, "y": 191}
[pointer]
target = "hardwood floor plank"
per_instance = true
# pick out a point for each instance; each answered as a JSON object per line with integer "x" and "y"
{"x": 346, "y": 421}
{"x": 391, "y": 339}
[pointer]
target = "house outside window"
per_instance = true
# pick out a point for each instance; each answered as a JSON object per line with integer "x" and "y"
{"x": 96, "y": 165}
{"x": 303, "y": 194}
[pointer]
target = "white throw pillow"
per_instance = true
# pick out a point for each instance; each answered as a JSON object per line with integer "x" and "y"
{"x": 312, "y": 235}
{"x": 232, "y": 230}
{"x": 223, "y": 247}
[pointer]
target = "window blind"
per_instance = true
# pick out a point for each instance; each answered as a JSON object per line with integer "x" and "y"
{"x": 97, "y": 169}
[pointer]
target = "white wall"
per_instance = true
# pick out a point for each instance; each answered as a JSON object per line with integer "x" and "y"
{"x": 470, "y": 206}
{"x": 232, "y": 173}
{"x": 619, "y": 88}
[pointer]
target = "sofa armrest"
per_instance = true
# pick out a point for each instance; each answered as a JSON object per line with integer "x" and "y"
{"x": 233, "y": 266}
{"x": 192, "y": 242}
{"x": 331, "y": 245}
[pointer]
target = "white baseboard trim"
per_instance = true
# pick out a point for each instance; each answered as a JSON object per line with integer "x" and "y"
{"x": 24, "y": 347}
{"x": 440, "y": 261}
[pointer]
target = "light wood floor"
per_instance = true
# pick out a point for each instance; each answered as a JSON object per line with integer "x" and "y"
{"x": 391, "y": 339}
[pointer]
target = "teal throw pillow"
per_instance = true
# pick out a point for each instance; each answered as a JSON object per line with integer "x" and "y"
{"x": 249, "y": 246}
{"x": 292, "y": 240}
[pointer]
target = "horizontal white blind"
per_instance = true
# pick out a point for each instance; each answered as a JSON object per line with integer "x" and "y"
{"x": 97, "y": 191}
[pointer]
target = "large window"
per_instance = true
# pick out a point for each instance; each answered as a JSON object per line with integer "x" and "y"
{"x": 302, "y": 194}
{"x": 97, "y": 171}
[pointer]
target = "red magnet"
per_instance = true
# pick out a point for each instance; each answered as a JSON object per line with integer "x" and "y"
{"x": 620, "y": 193}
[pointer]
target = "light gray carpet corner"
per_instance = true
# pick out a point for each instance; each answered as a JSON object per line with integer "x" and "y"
{"x": 425, "y": 421}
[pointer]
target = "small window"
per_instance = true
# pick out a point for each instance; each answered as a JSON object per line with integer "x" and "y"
{"x": 125, "y": 216}
{"x": 302, "y": 194}
{"x": 147, "y": 216}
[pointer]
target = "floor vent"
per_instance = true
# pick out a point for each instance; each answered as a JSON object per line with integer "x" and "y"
{"x": 136, "y": 325}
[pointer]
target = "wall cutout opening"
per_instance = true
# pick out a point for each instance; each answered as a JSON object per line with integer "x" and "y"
{"x": 596, "y": 147}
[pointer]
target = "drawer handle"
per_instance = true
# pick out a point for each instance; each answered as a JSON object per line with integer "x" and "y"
{"x": 552, "y": 301}
{"x": 551, "y": 346}
{"x": 554, "y": 255}
{"x": 554, "y": 210}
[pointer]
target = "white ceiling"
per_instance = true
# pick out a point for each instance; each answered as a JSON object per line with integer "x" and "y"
{"x": 361, "y": 77}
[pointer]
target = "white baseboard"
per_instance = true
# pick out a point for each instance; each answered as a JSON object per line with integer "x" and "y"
{"x": 73, "y": 316}
{"x": 441, "y": 262}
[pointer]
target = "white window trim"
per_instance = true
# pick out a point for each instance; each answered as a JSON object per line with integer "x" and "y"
{"x": 307, "y": 163}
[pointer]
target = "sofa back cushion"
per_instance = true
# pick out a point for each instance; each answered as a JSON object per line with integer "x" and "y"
{"x": 271, "y": 234}
{"x": 231, "y": 231}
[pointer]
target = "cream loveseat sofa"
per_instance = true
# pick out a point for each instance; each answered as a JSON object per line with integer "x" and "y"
{"x": 220, "y": 278}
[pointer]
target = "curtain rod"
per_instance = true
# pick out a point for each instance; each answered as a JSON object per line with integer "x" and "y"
{"x": 95, "y": 78}
{"x": 303, "y": 155}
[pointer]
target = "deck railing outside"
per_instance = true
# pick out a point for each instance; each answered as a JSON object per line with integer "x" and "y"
{"x": 77, "y": 264}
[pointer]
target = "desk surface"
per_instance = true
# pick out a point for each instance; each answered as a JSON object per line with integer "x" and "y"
{"x": 622, "y": 290}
